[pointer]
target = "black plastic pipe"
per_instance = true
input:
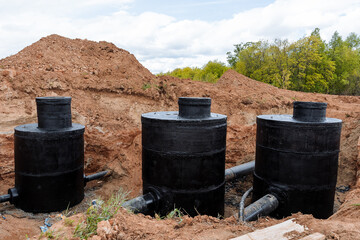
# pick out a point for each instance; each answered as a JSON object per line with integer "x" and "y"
{"x": 95, "y": 176}
{"x": 5, "y": 198}
{"x": 239, "y": 171}
{"x": 146, "y": 203}
{"x": 141, "y": 204}
{"x": 262, "y": 207}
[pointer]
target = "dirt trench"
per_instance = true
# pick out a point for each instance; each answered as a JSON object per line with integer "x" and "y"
{"x": 110, "y": 90}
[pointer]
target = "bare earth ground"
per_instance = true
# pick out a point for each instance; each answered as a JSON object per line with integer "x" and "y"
{"x": 110, "y": 89}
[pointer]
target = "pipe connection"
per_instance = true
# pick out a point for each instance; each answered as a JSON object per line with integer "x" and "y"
{"x": 13, "y": 194}
{"x": 156, "y": 199}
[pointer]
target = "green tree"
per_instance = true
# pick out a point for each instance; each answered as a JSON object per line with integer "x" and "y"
{"x": 303, "y": 65}
{"x": 311, "y": 68}
{"x": 353, "y": 41}
{"x": 347, "y": 61}
{"x": 210, "y": 72}
{"x": 279, "y": 63}
{"x": 354, "y": 83}
{"x": 309, "y": 64}
{"x": 233, "y": 58}
{"x": 252, "y": 60}
{"x": 183, "y": 73}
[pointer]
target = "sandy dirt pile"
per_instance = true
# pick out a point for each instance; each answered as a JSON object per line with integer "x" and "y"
{"x": 110, "y": 90}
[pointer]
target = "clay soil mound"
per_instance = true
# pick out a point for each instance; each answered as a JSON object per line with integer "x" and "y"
{"x": 110, "y": 89}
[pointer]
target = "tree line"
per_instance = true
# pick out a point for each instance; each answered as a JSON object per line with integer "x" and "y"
{"x": 309, "y": 64}
{"x": 210, "y": 72}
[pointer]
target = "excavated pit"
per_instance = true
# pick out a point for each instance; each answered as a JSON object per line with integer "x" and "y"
{"x": 106, "y": 84}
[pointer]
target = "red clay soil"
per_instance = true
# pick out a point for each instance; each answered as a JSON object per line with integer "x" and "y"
{"x": 110, "y": 90}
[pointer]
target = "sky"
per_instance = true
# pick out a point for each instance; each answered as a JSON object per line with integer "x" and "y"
{"x": 168, "y": 34}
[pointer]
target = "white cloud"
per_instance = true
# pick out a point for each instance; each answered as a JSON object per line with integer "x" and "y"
{"x": 59, "y": 7}
{"x": 160, "y": 41}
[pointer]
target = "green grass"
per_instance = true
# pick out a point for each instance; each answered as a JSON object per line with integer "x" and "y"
{"x": 174, "y": 214}
{"x": 146, "y": 86}
{"x": 101, "y": 212}
{"x": 68, "y": 222}
{"x": 49, "y": 235}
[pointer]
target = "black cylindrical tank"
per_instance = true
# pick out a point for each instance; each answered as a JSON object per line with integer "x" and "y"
{"x": 49, "y": 159}
{"x": 297, "y": 159}
{"x": 183, "y": 154}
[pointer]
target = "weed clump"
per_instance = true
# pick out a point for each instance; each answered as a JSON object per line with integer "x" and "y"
{"x": 97, "y": 212}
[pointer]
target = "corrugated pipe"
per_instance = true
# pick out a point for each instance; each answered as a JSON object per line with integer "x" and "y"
{"x": 242, "y": 204}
